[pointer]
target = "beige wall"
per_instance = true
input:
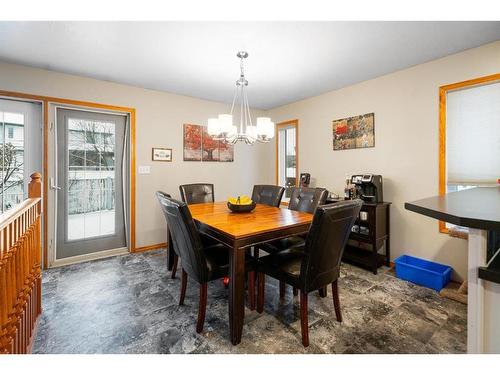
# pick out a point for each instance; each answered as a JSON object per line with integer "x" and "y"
{"x": 159, "y": 122}
{"x": 406, "y": 130}
{"x": 406, "y": 137}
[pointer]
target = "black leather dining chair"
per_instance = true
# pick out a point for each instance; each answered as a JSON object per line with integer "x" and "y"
{"x": 302, "y": 199}
{"x": 316, "y": 264}
{"x": 162, "y": 195}
{"x": 197, "y": 193}
{"x": 198, "y": 262}
{"x": 268, "y": 194}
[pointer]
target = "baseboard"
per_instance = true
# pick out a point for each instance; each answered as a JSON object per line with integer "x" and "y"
{"x": 87, "y": 257}
{"x": 150, "y": 247}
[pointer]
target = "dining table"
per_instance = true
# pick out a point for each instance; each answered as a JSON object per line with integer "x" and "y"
{"x": 239, "y": 232}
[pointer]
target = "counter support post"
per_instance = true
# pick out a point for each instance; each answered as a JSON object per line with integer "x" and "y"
{"x": 475, "y": 300}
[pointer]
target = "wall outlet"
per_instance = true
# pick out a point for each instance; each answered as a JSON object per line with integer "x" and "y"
{"x": 144, "y": 169}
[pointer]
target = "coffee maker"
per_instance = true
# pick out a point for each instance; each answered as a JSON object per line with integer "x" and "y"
{"x": 368, "y": 187}
{"x": 305, "y": 179}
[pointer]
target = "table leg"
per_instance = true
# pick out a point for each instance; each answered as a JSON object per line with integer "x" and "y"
{"x": 236, "y": 293}
{"x": 475, "y": 291}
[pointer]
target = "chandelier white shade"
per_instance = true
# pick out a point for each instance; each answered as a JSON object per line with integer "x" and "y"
{"x": 223, "y": 127}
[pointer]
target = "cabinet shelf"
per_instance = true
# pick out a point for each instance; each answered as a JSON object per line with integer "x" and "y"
{"x": 362, "y": 257}
{"x": 363, "y": 248}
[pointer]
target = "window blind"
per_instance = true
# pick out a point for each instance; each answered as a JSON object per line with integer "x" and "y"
{"x": 473, "y": 135}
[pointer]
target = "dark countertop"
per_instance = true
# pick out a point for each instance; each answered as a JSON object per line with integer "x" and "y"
{"x": 473, "y": 208}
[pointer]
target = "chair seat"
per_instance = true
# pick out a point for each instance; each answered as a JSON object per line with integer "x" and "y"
{"x": 218, "y": 261}
{"x": 283, "y": 244}
{"x": 284, "y": 265}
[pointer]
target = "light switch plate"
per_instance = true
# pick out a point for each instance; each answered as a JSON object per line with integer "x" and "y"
{"x": 144, "y": 169}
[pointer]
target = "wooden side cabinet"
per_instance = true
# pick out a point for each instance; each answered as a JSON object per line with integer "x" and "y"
{"x": 371, "y": 231}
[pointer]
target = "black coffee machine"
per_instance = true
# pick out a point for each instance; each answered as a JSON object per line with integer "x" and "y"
{"x": 368, "y": 187}
{"x": 305, "y": 179}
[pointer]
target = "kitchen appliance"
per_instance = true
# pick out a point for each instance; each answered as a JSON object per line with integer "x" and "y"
{"x": 305, "y": 179}
{"x": 368, "y": 187}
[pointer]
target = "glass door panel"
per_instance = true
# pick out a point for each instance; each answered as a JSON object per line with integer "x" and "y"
{"x": 287, "y": 159}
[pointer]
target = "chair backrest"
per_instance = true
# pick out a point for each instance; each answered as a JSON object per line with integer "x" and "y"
{"x": 325, "y": 243}
{"x": 186, "y": 238}
{"x": 268, "y": 194}
{"x": 307, "y": 199}
{"x": 197, "y": 193}
{"x": 162, "y": 195}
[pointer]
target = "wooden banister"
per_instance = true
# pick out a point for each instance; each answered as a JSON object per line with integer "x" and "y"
{"x": 20, "y": 273}
{"x": 35, "y": 186}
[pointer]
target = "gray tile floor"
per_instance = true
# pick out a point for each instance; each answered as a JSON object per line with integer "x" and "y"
{"x": 129, "y": 304}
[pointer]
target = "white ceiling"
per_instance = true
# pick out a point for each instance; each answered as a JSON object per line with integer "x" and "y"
{"x": 287, "y": 61}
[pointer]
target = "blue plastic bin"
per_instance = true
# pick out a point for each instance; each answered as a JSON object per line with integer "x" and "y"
{"x": 423, "y": 272}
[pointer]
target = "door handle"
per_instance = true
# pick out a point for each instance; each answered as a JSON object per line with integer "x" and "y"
{"x": 53, "y": 185}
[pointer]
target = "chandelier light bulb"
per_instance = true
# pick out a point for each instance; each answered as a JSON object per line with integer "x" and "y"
{"x": 213, "y": 127}
{"x": 226, "y": 123}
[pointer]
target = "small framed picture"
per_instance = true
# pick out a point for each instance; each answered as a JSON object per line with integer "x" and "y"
{"x": 162, "y": 154}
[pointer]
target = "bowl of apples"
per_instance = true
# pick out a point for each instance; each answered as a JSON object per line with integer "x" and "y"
{"x": 240, "y": 204}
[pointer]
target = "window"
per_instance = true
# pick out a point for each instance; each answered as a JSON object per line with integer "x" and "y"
{"x": 91, "y": 180}
{"x": 469, "y": 135}
{"x": 287, "y": 156}
{"x": 11, "y": 132}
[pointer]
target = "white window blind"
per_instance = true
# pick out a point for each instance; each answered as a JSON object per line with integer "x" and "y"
{"x": 473, "y": 135}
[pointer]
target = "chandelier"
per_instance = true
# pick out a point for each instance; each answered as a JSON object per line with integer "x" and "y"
{"x": 223, "y": 127}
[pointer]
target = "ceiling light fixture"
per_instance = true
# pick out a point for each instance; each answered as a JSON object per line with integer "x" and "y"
{"x": 223, "y": 128}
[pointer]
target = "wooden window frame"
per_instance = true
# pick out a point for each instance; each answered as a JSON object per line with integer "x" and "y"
{"x": 285, "y": 124}
{"x": 443, "y": 91}
{"x": 46, "y": 100}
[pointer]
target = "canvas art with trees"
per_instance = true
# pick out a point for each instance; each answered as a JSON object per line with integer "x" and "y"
{"x": 200, "y": 146}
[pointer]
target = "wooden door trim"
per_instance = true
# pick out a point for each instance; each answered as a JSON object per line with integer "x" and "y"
{"x": 443, "y": 90}
{"x": 45, "y": 100}
{"x": 284, "y": 124}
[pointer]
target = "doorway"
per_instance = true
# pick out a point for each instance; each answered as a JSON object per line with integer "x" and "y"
{"x": 287, "y": 156}
{"x": 89, "y": 180}
{"x": 20, "y": 149}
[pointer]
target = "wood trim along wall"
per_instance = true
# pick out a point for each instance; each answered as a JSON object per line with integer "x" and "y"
{"x": 45, "y": 100}
{"x": 151, "y": 247}
{"x": 443, "y": 91}
{"x": 282, "y": 125}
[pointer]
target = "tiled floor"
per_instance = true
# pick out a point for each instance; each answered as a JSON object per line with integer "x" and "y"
{"x": 129, "y": 304}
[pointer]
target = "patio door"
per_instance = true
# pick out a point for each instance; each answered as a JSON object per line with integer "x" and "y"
{"x": 91, "y": 174}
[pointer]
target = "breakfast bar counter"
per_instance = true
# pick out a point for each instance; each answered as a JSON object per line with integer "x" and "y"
{"x": 479, "y": 210}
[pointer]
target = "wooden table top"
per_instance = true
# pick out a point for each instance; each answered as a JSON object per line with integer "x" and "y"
{"x": 237, "y": 225}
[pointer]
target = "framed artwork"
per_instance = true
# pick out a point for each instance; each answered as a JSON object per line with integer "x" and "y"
{"x": 226, "y": 152}
{"x": 200, "y": 146}
{"x": 209, "y": 147}
{"x": 162, "y": 154}
{"x": 192, "y": 142}
{"x": 354, "y": 132}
